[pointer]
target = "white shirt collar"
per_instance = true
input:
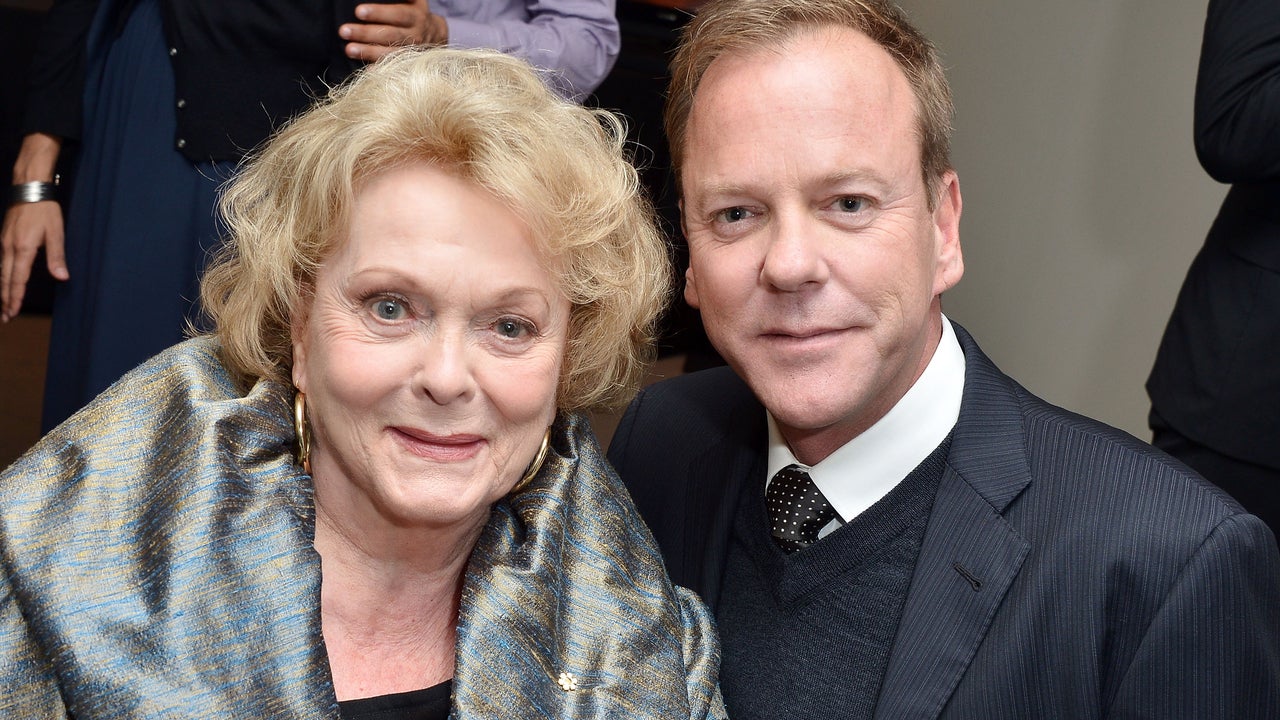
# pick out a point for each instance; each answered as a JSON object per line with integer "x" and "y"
{"x": 867, "y": 467}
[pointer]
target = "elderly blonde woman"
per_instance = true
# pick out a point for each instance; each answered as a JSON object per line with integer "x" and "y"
{"x": 370, "y": 492}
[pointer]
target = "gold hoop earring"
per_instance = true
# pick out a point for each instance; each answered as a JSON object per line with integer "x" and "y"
{"x": 534, "y": 466}
{"x": 303, "y": 430}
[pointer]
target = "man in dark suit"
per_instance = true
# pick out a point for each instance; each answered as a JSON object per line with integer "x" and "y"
{"x": 885, "y": 524}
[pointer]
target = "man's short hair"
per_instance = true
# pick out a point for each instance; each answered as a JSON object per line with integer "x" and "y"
{"x": 725, "y": 27}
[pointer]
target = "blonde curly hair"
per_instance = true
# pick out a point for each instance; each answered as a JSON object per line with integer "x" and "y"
{"x": 491, "y": 120}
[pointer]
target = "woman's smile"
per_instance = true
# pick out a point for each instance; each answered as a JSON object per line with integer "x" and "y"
{"x": 441, "y": 448}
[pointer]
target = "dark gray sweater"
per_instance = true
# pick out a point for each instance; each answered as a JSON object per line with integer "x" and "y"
{"x": 808, "y": 635}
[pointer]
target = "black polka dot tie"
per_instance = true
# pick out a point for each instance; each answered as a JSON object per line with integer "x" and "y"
{"x": 797, "y": 509}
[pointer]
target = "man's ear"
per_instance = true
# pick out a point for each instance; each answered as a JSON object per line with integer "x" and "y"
{"x": 691, "y": 287}
{"x": 946, "y": 227}
{"x": 690, "y": 281}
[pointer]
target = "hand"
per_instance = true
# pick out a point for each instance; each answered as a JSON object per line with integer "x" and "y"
{"x": 385, "y": 27}
{"x": 27, "y": 226}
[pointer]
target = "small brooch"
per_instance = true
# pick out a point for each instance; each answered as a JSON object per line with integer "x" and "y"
{"x": 567, "y": 682}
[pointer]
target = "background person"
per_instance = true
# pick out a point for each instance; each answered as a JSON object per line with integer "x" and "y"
{"x": 427, "y": 276}
{"x": 1215, "y": 383}
{"x": 884, "y": 524}
{"x": 162, "y": 99}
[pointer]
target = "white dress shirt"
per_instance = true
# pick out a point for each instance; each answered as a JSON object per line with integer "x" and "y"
{"x": 866, "y": 468}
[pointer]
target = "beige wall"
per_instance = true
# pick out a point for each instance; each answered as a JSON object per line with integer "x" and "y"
{"x": 1084, "y": 202}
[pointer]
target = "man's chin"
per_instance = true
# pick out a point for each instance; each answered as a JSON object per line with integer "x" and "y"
{"x": 809, "y": 412}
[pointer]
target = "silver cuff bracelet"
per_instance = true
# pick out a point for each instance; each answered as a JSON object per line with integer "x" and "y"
{"x": 31, "y": 192}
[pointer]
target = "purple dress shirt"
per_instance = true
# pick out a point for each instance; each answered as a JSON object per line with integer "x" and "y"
{"x": 577, "y": 40}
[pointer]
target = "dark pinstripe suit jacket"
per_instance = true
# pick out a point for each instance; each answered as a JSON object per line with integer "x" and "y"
{"x": 1068, "y": 570}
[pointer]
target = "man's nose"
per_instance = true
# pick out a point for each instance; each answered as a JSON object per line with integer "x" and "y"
{"x": 794, "y": 256}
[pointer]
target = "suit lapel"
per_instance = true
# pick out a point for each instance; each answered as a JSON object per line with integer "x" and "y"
{"x": 970, "y": 554}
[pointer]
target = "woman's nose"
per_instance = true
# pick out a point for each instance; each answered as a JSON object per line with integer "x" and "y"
{"x": 444, "y": 373}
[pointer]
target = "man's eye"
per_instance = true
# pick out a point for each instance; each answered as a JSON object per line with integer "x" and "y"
{"x": 733, "y": 214}
{"x": 511, "y": 328}
{"x": 388, "y": 309}
{"x": 851, "y": 203}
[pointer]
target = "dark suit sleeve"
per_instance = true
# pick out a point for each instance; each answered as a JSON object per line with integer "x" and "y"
{"x": 643, "y": 451}
{"x": 619, "y": 443}
{"x": 631, "y": 454}
{"x": 1213, "y": 648}
{"x": 1237, "y": 106}
{"x": 55, "y": 84}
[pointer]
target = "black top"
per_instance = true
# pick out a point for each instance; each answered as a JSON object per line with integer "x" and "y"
{"x": 241, "y": 68}
{"x": 1216, "y": 378}
{"x": 1237, "y": 111}
{"x": 427, "y": 704}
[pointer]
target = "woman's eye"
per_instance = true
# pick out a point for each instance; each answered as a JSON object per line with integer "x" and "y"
{"x": 512, "y": 329}
{"x": 389, "y": 309}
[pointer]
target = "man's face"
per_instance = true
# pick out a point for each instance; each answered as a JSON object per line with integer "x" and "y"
{"x": 815, "y": 259}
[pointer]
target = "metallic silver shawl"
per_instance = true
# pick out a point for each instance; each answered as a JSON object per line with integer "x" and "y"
{"x": 158, "y": 562}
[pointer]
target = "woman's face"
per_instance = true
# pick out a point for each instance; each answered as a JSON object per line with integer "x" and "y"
{"x": 430, "y": 353}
